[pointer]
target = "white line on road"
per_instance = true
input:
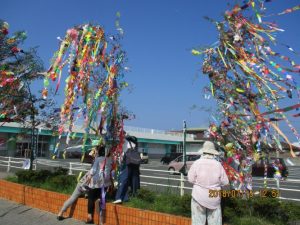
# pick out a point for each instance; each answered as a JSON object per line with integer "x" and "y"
{"x": 159, "y": 174}
{"x": 292, "y": 199}
{"x": 164, "y": 185}
{"x": 164, "y": 178}
{"x": 284, "y": 189}
{"x": 281, "y": 185}
{"x": 272, "y": 179}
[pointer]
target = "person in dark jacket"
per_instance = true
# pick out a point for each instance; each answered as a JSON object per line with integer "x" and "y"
{"x": 133, "y": 165}
{"x": 129, "y": 174}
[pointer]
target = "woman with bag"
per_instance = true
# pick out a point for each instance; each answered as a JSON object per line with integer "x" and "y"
{"x": 81, "y": 188}
{"x": 133, "y": 161}
{"x": 129, "y": 170}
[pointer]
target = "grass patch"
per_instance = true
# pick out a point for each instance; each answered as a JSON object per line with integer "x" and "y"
{"x": 251, "y": 221}
{"x": 163, "y": 202}
{"x": 265, "y": 210}
{"x": 12, "y": 179}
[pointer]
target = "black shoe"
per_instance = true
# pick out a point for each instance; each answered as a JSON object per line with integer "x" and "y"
{"x": 60, "y": 218}
{"x": 89, "y": 222}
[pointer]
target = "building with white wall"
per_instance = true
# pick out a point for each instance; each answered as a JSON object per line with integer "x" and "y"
{"x": 14, "y": 140}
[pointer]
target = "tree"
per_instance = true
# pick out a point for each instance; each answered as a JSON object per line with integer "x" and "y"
{"x": 18, "y": 69}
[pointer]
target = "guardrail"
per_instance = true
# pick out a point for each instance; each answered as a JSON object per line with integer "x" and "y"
{"x": 71, "y": 166}
{"x": 12, "y": 162}
{"x": 18, "y": 163}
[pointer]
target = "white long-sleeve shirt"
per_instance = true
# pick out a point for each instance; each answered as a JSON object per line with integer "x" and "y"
{"x": 207, "y": 174}
{"x": 100, "y": 178}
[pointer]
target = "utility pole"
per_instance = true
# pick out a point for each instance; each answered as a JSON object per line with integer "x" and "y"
{"x": 184, "y": 146}
{"x": 33, "y": 146}
{"x": 277, "y": 137}
{"x": 183, "y": 170}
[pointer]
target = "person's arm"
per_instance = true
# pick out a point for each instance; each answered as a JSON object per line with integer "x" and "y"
{"x": 192, "y": 175}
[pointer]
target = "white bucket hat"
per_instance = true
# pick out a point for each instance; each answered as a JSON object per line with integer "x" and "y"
{"x": 209, "y": 148}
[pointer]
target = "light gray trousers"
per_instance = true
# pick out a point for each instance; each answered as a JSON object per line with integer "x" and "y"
{"x": 200, "y": 214}
{"x": 75, "y": 195}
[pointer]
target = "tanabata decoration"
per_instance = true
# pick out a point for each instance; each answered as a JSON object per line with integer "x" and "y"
{"x": 95, "y": 79}
{"x": 250, "y": 82}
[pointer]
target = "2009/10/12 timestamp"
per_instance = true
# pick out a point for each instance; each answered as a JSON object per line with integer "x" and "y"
{"x": 263, "y": 193}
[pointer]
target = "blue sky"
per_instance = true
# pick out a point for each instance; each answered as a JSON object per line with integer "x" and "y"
{"x": 166, "y": 79}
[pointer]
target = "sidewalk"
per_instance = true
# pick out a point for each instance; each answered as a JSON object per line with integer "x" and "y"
{"x": 16, "y": 214}
{"x": 5, "y": 174}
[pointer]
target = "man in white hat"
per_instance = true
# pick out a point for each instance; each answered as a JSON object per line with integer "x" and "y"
{"x": 207, "y": 174}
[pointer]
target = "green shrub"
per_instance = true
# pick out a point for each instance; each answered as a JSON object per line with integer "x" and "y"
{"x": 228, "y": 214}
{"x": 184, "y": 205}
{"x": 61, "y": 183}
{"x": 12, "y": 179}
{"x": 25, "y": 176}
{"x": 31, "y": 176}
{"x": 250, "y": 221}
{"x": 163, "y": 202}
{"x": 60, "y": 171}
{"x": 138, "y": 203}
{"x": 146, "y": 195}
{"x": 292, "y": 210}
{"x": 269, "y": 208}
{"x": 54, "y": 181}
{"x": 266, "y": 209}
{"x": 239, "y": 206}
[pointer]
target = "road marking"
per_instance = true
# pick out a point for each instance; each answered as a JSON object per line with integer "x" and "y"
{"x": 281, "y": 185}
{"x": 157, "y": 174}
{"x": 284, "y": 189}
{"x": 293, "y": 199}
{"x": 272, "y": 179}
{"x": 293, "y": 177}
{"x": 165, "y": 185}
{"x": 164, "y": 178}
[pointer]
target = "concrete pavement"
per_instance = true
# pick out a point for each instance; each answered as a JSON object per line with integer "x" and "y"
{"x": 12, "y": 213}
{"x": 5, "y": 174}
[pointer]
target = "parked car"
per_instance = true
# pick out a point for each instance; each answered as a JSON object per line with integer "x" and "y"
{"x": 77, "y": 154}
{"x": 176, "y": 165}
{"x": 167, "y": 158}
{"x": 88, "y": 158}
{"x": 258, "y": 169}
